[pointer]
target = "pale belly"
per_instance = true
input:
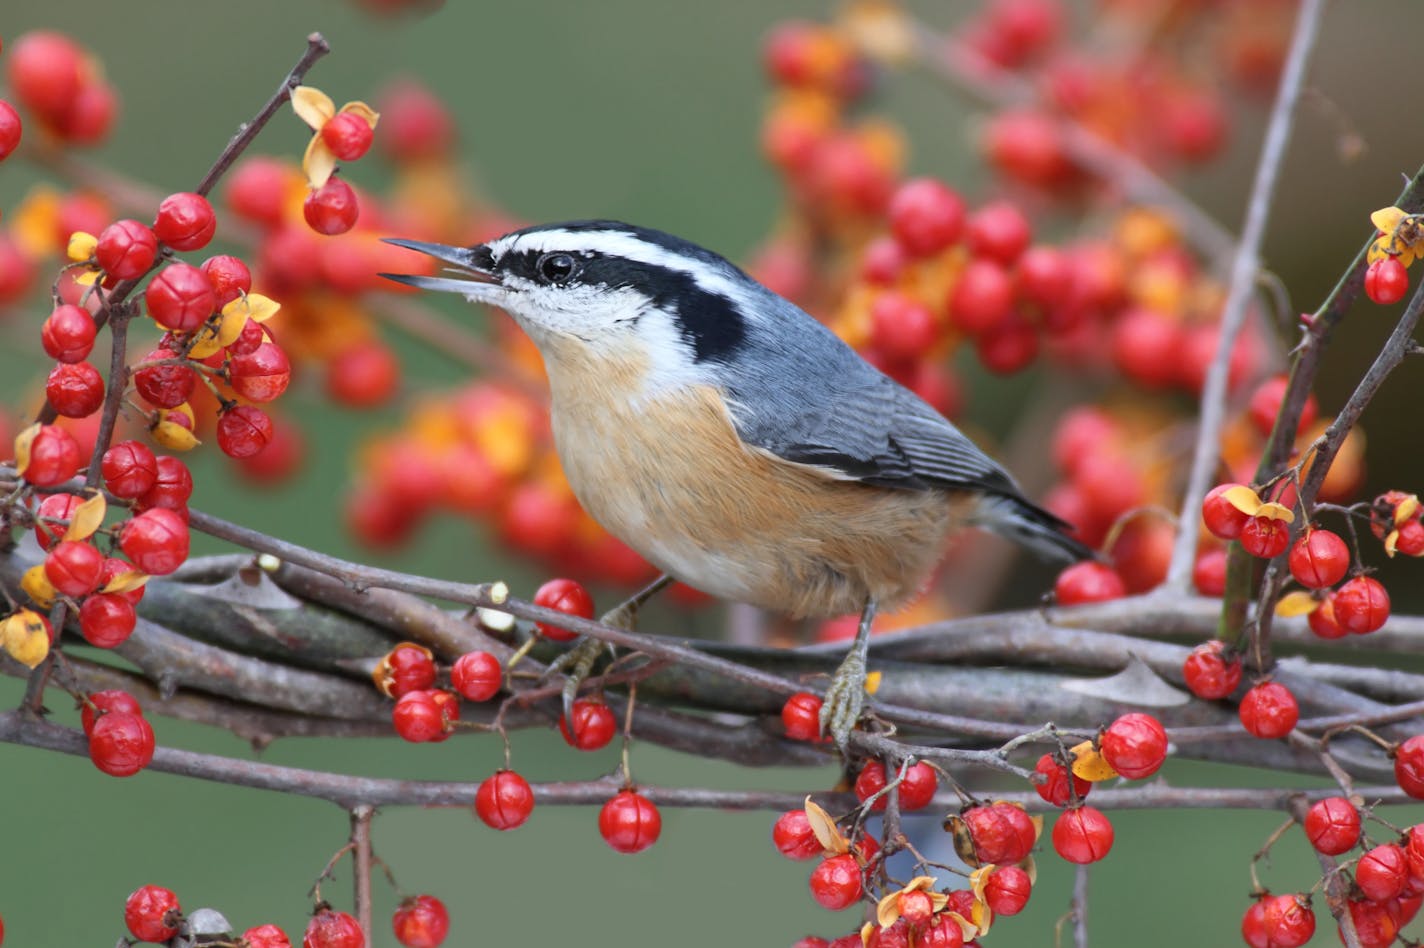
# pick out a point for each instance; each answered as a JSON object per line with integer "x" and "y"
{"x": 740, "y": 524}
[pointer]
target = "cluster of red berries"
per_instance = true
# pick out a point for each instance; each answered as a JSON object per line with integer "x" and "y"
{"x": 993, "y": 837}
{"x": 424, "y": 712}
{"x": 57, "y": 80}
{"x": 1388, "y": 883}
{"x": 153, "y": 915}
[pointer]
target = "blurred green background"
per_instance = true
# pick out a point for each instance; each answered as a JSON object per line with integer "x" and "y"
{"x": 647, "y": 111}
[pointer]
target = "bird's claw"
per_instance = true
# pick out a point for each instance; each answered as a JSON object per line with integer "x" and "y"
{"x": 845, "y": 699}
{"x": 578, "y": 661}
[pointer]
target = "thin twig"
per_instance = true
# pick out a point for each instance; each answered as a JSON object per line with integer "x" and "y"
{"x": 1245, "y": 266}
{"x": 1080, "y": 907}
{"x": 361, "y": 817}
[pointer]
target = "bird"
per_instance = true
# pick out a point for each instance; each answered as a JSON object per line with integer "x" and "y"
{"x": 733, "y": 440}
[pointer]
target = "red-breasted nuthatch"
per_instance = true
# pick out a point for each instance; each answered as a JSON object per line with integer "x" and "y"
{"x": 731, "y": 439}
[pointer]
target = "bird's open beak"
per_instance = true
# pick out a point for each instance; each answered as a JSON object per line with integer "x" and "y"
{"x": 471, "y": 281}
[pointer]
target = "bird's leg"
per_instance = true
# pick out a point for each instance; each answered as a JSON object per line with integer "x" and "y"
{"x": 846, "y": 695}
{"x": 577, "y": 662}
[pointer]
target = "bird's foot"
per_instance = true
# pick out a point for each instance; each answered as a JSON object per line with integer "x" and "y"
{"x": 845, "y": 699}
{"x": 578, "y": 661}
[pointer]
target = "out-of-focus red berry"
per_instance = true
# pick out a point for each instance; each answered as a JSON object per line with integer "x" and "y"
{"x": 1088, "y": 582}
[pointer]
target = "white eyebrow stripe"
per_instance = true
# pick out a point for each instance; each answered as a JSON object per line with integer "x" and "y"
{"x": 615, "y": 243}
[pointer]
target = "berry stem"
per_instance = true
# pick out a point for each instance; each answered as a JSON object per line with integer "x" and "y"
{"x": 1245, "y": 266}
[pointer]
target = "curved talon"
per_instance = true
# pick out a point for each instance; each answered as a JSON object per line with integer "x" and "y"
{"x": 576, "y": 664}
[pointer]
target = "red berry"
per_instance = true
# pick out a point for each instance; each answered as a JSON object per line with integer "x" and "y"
{"x": 185, "y": 221}
{"x": 1361, "y": 605}
{"x": 1007, "y": 890}
{"x": 630, "y": 823}
{"x": 68, "y": 334}
{"x": 1410, "y": 540}
{"x": 926, "y": 216}
{"x": 982, "y": 297}
{"x": 121, "y": 744}
{"x": 801, "y": 717}
{"x": 229, "y": 276}
{"x": 100, "y": 703}
{"x": 1220, "y": 516}
{"x": 75, "y": 389}
{"x": 172, "y": 488}
{"x": 1088, "y": 582}
{"x": 151, "y": 913}
{"x": 1209, "y": 675}
{"x": 793, "y": 837}
{"x": 1043, "y": 276}
{"x": 1322, "y": 620}
{"x": 1001, "y": 833}
{"x": 593, "y": 725}
{"x": 10, "y": 128}
{"x": 1265, "y": 537}
{"x": 1147, "y": 346}
{"x": 917, "y": 788}
{"x": 414, "y": 122}
{"x": 244, "y": 431}
{"x": 420, "y": 716}
{"x": 262, "y": 374}
{"x": 54, "y": 457}
{"x": 1266, "y": 401}
{"x": 1082, "y": 835}
{"x": 477, "y": 676}
{"x": 1374, "y": 926}
{"x": 164, "y": 386}
{"x": 421, "y": 921}
{"x": 126, "y": 249}
{"x": 1409, "y": 766}
{"x": 1382, "y": 872}
{"x": 88, "y": 119}
{"x": 1386, "y": 281}
{"x": 1009, "y": 346}
{"x": 1209, "y": 572}
{"x": 329, "y": 928}
{"x": 504, "y": 800}
{"x": 363, "y": 375}
{"x": 567, "y": 596}
{"x": 1056, "y": 788}
{"x": 1280, "y": 921}
{"x": 332, "y": 208}
{"x": 266, "y": 936}
{"x": 155, "y": 541}
{"x": 1332, "y": 825}
{"x": 73, "y": 567}
{"x": 106, "y": 620}
{"x": 257, "y": 189}
{"x": 46, "y": 71}
{"x": 1135, "y": 745}
{"x": 348, "y": 135}
{"x": 882, "y": 261}
{"x": 998, "y": 231}
{"x": 180, "y": 297}
{"x": 901, "y": 327}
{"x": 405, "y": 668}
{"x": 1319, "y": 559}
{"x": 944, "y": 933}
{"x": 1269, "y": 710}
{"x": 55, "y": 507}
{"x": 835, "y": 883}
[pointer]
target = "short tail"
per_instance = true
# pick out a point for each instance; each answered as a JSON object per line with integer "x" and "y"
{"x": 1030, "y": 525}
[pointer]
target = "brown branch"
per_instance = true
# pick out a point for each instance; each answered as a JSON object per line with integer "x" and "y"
{"x": 361, "y": 817}
{"x": 1337, "y": 887}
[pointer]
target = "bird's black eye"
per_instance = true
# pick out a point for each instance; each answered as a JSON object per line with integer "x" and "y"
{"x": 556, "y": 267}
